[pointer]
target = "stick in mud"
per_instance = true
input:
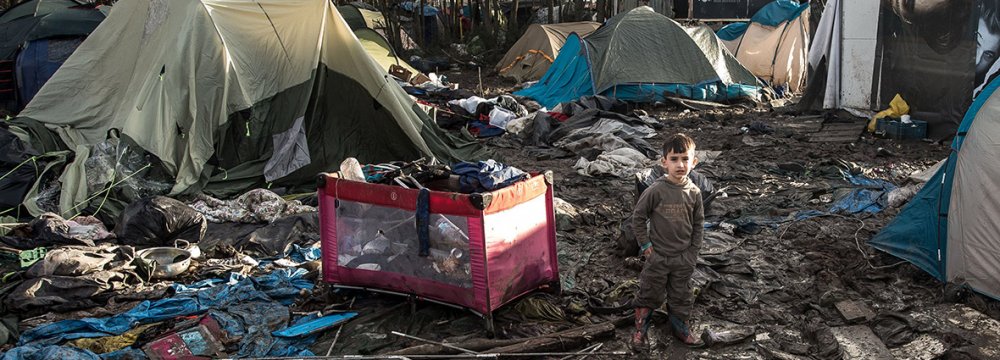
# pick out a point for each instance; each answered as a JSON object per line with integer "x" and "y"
{"x": 397, "y": 333}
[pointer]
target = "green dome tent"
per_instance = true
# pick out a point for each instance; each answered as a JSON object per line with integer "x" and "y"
{"x": 640, "y": 55}
{"x": 233, "y": 94}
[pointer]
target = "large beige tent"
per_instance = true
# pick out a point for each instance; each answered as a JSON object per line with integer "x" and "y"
{"x": 535, "y": 51}
{"x": 231, "y": 94}
{"x": 774, "y": 45}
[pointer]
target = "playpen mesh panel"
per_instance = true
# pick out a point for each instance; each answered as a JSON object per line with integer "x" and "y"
{"x": 378, "y": 238}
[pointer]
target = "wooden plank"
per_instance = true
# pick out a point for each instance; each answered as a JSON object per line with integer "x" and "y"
{"x": 839, "y": 132}
{"x": 859, "y": 342}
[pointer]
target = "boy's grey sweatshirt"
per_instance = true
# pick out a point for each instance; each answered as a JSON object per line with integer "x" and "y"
{"x": 675, "y": 214}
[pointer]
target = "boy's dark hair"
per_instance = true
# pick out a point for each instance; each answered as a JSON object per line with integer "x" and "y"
{"x": 678, "y": 143}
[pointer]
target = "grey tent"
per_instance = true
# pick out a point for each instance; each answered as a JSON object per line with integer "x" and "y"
{"x": 639, "y": 56}
{"x": 230, "y": 94}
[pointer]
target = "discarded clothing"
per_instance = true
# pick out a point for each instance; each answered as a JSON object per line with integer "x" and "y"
{"x": 281, "y": 286}
{"x": 486, "y": 175}
{"x": 482, "y": 129}
{"x": 510, "y": 104}
{"x": 8, "y": 329}
{"x": 279, "y": 237}
{"x": 622, "y": 163}
{"x": 69, "y": 277}
{"x": 111, "y": 343}
{"x": 158, "y": 221}
{"x": 519, "y": 125}
{"x": 597, "y": 130}
{"x": 470, "y": 104}
{"x": 499, "y": 117}
{"x": 45, "y": 352}
{"x": 20, "y": 167}
{"x": 76, "y": 261}
{"x": 588, "y": 118}
{"x": 593, "y": 102}
{"x": 255, "y": 206}
{"x": 50, "y": 230}
{"x": 64, "y": 293}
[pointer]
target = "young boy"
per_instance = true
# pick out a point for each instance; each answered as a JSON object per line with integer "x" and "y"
{"x": 670, "y": 242}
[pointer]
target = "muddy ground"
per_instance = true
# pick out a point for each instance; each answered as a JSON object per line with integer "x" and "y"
{"x": 774, "y": 288}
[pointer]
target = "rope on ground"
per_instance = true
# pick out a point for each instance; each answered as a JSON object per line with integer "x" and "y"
{"x": 857, "y": 242}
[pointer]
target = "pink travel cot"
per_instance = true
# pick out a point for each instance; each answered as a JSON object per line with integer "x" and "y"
{"x": 482, "y": 250}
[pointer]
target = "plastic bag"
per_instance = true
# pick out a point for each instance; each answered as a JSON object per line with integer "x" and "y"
{"x": 158, "y": 221}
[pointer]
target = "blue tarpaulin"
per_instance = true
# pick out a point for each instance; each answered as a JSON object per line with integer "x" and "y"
{"x": 312, "y": 324}
{"x": 870, "y": 198}
{"x": 46, "y": 352}
{"x": 244, "y": 306}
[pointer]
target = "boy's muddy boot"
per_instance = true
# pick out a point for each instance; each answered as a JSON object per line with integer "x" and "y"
{"x": 683, "y": 332}
{"x": 642, "y": 318}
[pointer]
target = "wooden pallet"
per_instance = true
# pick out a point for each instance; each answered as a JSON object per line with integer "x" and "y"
{"x": 804, "y": 124}
{"x": 839, "y": 132}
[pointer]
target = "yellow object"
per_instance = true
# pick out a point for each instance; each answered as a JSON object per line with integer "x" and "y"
{"x": 897, "y": 107}
{"x": 111, "y": 343}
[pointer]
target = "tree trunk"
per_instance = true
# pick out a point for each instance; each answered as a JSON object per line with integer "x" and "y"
{"x": 551, "y": 16}
{"x": 561, "y": 341}
{"x": 514, "y": 27}
{"x": 420, "y": 24}
{"x": 471, "y": 344}
{"x": 566, "y": 340}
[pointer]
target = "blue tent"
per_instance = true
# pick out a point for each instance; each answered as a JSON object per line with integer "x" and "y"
{"x": 950, "y": 228}
{"x": 643, "y": 56}
{"x": 772, "y": 14}
{"x": 37, "y": 61}
{"x": 39, "y": 35}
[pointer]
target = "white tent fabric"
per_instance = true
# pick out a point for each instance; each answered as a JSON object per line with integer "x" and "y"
{"x": 826, "y": 44}
{"x": 973, "y": 250}
{"x": 776, "y": 54}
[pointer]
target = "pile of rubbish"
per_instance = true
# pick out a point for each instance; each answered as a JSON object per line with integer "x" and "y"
{"x": 167, "y": 271}
{"x": 168, "y": 277}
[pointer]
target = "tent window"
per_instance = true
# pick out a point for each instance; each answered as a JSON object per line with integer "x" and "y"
{"x": 290, "y": 152}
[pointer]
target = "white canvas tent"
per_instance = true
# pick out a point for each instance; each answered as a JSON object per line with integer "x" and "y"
{"x": 774, "y": 45}
{"x": 949, "y": 228}
{"x": 530, "y": 57}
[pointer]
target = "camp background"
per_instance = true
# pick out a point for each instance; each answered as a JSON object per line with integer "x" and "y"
{"x": 907, "y": 62}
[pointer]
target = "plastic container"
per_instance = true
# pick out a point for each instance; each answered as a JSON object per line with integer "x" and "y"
{"x": 895, "y": 129}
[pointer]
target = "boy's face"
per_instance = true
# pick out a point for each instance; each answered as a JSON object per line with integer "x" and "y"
{"x": 677, "y": 166}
